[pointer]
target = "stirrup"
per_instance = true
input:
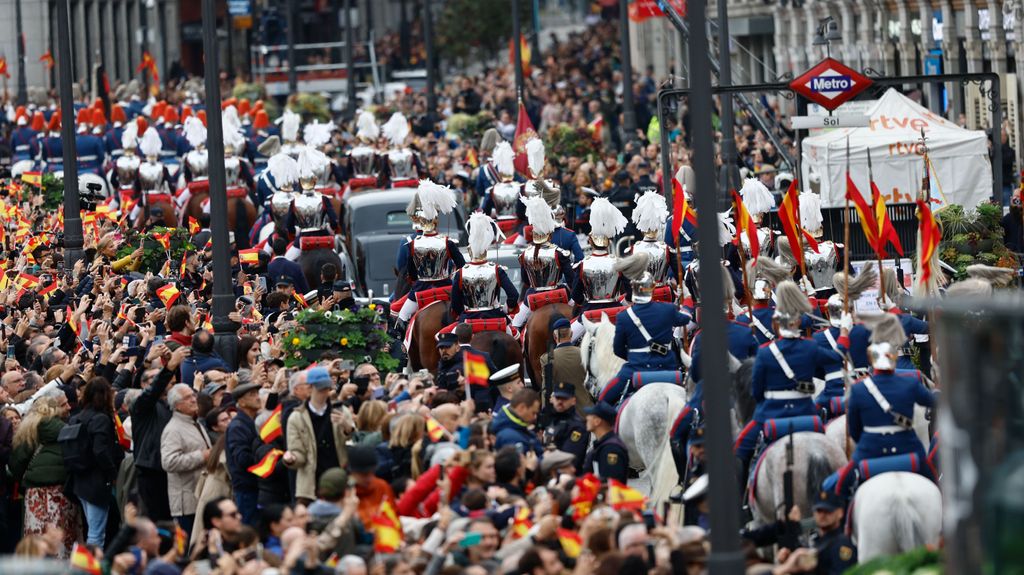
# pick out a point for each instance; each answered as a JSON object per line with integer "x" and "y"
{"x": 676, "y": 496}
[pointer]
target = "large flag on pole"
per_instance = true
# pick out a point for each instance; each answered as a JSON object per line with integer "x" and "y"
{"x": 789, "y": 217}
{"x": 864, "y": 213}
{"x": 524, "y": 133}
{"x": 745, "y": 224}
{"x": 930, "y": 237}
{"x": 886, "y": 232}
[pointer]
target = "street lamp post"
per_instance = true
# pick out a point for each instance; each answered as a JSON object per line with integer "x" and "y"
{"x": 517, "y": 50}
{"x": 730, "y": 172}
{"x": 72, "y": 206}
{"x": 350, "y": 72}
{"x": 628, "y": 109}
{"x": 223, "y": 295}
{"x": 293, "y": 78}
{"x": 22, "y": 81}
{"x": 726, "y": 557}
{"x": 428, "y": 39}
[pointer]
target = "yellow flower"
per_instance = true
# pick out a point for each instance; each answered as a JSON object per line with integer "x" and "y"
{"x": 372, "y": 306}
{"x": 344, "y": 341}
{"x": 295, "y": 341}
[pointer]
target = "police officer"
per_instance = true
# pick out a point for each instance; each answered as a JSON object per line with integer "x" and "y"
{"x": 608, "y": 458}
{"x": 92, "y": 153}
{"x": 449, "y": 366}
{"x": 563, "y": 427}
{"x": 342, "y": 298}
{"x": 507, "y": 382}
{"x": 836, "y": 551}
{"x": 644, "y": 331}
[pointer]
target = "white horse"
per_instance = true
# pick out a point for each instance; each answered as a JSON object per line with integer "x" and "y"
{"x": 645, "y": 422}
{"x": 837, "y": 432}
{"x": 815, "y": 457}
{"x": 896, "y": 512}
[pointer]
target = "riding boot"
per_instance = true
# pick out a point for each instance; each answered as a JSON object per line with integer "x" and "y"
{"x": 679, "y": 458}
{"x": 397, "y": 330}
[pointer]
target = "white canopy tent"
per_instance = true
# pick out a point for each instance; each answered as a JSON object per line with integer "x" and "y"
{"x": 961, "y": 171}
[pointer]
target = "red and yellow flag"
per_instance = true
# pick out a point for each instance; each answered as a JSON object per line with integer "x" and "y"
{"x": 475, "y": 368}
{"x": 587, "y": 488}
{"x": 32, "y": 178}
{"x": 521, "y": 523}
{"x": 471, "y": 158}
{"x": 3, "y": 68}
{"x": 122, "y": 436}
{"x": 435, "y": 430}
{"x": 571, "y": 542}
{"x": 47, "y": 60}
{"x": 930, "y": 237}
{"x": 193, "y": 226}
{"x": 524, "y": 54}
{"x": 621, "y": 496}
{"x": 250, "y": 256}
{"x": 886, "y": 231}
{"x": 77, "y": 329}
{"x": 789, "y": 215}
{"x": 864, "y": 213}
{"x": 681, "y": 209}
{"x": 387, "y": 529}
{"x": 148, "y": 63}
{"x": 180, "y": 540}
{"x": 524, "y": 133}
{"x": 746, "y": 225}
{"x": 184, "y": 263}
{"x": 265, "y": 467}
{"x": 27, "y": 281}
{"x": 163, "y": 239}
{"x": 83, "y": 559}
{"x": 301, "y": 299}
{"x": 168, "y": 294}
{"x": 271, "y": 428}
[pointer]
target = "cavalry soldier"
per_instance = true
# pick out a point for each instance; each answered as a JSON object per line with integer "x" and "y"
{"x": 237, "y": 171}
{"x": 91, "y": 151}
{"x": 487, "y": 174}
{"x": 318, "y": 136}
{"x": 649, "y": 216}
{"x": 290, "y": 122}
{"x": 126, "y": 167}
{"x": 643, "y": 332}
{"x": 284, "y": 171}
{"x": 564, "y": 428}
{"x": 598, "y": 284}
{"x": 766, "y": 275}
{"x": 758, "y": 201}
{"x": 822, "y": 263}
{"x": 363, "y": 160}
{"x": 52, "y": 147}
{"x": 261, "y": 131}
{"x": 784, "y": 368}
{"x": 880, "y": 411}
{"x": 687, "y": 235}
{"x": 544, "y": 265}
{"x": 475, "y": 286}
{"x": 113, "y": 139}
{"x": 915, "y": 328}
{"x": 311, "y": 212}
{"x": 154, "y": 181}
{"x": 501, "y": 200}
{"x": 197, "y": 161}
{"x": 608, "y": 458}
{"x": 431, "y": 256}
{"x": 24, "y": 144}
{"x": 404, "y": 166}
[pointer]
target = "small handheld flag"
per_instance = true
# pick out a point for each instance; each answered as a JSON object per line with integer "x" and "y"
{"x": 82, "y": 558}
{"x": 250, "y": 256}
{"x": 271, "y": 429}
{"x": 168, "y": 294}
{"x": 476, "y": 370}
{"x": 265, "y": 467}
{"x": 387, "y": 529}
{"x": 622, "y": 496}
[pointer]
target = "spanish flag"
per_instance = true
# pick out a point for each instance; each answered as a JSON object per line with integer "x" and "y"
{"x": 789, "y": 216}
{"x": 83, "y": 559}
{"x": 475, "y": 368}
{"x": 148, "y": 63}
{"x": 168, "y": 294}
{"x": 745, "y": 224}
{"x": 3, "y": 68}
{"x": 886, "y": 231}
{"x": 435, "y": 431}
{"x": 47, "y": 60}
{"x": 27, "y": 281}
{"x": 47, "y": 292}
{"x": 302, "y": 300}
{"x": 271, "y": 428}
{"x": 193, "y": 226}
{"x": 184, "y": 262}
{"x": 77, "y": 329}
{"x": 622, "y": 496}
{"x": 33, "y": 178}
{"x": 587, "y": 488}
{"x": 250, "y": 256}
{"x": 266, "y": 465}
{"x": 180, "y": 540}
{"x": 521, "y": 523}
{"x": 387, "y": 529}
{"x": 571, "y": 542}
{"x": 471, "y": 158}
{"x": 163, "y": 239}
{"x": 122, "y": 436}
{"x": 930, "y": 235}
{"x": 868, "y": 223}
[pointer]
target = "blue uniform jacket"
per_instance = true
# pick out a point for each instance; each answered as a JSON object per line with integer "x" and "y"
{"x": 91, "y": 153}
{"x": 804, "y": 356}
{"x": 911, "y": 326}
{"x": 24, "y": 144}
{"x": 112, "y": 141}
{"x": 568, "y": 241}
{"x": 659, "y": 319}
{"x": 686, "y": 237}
{"x": 741, "y": 345}
{"x": 458, "y": 306}
{"x": 763, "y": 314}
{"x": 53, "y": 154}
{"x": 831, "y": 371}
{"x": 282, "y": 266}
{"x": 510, "y": 430}
{"x": 902, "y": 390}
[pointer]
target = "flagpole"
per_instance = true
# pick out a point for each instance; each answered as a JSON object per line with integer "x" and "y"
{"x": 846, "y": 235}
{"x": 878, "y": 255}
{"x": 517, "y": 50}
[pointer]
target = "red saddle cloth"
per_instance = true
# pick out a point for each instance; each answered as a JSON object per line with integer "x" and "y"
{"x": 199, "y": 186}
{"x": 483, "y": 324}
{"x": 540, "y": 299}
{"x": 507, "y": 226}
{"x": 237, "y": 192}
{"x": 663, "y": 293}
{"x": 360, "y": 183}
{"x": 396, "y": 306}
{"x": 611, "y": 312}
{"x": 430, "y": 295}
{"x": 310, "y": 243}
{"x": 407, "y": 183}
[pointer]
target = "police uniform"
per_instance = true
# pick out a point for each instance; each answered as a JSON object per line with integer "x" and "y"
{"x": 53, "y": 154}
{"x": 650, "y": 351}
{"x": 448, "y": 370}
{"x": 608, "y": 458}
{"x": 565, "y": 430}
{"x": 836, "y": 551}
{"x": 693, "y": 470}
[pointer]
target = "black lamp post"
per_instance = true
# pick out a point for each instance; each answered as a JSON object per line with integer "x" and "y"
{"x": 22, "y": 82}
{"x": 72, "y": 207}
{"x": 428, "y": 39}
{"x": 628, "y": 108}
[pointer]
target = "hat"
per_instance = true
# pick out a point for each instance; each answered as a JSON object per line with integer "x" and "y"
{"x": 554, "y": 460}
{"x": 590, "y": 192}
{"x": 342, "y": 285}
{"x": 558, "y": 321}
{"x": 697, "y": 437}
{"x": 284, "y": 281}
{"x": 319, "y": 378}
{"x": 212, "y": 388}
{"x": 827, "y": 500}
{"x": 505, "y": 375}
{"x": 156, "y": 211}
{"x": 243, "y": 389}
{"x": 603, "y": 410}
{"x": 564, "y": 390}
{"x": 447, "y": 339}
{"x": 333, "y": 483}
{"x": 362, "y": 459}
{"x": 697, "y": 490}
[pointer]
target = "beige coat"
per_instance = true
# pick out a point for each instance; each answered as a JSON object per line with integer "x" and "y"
{"x": 568, "y": 367}
{"x": 182, "y": 447}
{"x": 210, "y": 486}
{"x": 302, "y": 444}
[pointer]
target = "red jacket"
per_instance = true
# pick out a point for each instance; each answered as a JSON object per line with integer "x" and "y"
{"x": 422, "y": 499}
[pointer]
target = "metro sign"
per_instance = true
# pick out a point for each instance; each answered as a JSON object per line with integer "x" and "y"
{"x": 830, "y": 83}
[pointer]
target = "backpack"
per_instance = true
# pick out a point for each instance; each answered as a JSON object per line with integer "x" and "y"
{"x": 75, "y": 446}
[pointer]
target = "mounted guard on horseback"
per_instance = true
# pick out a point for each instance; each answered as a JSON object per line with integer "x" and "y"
{"x": 501, "y": 201}
{"x": 650, "y": 216}
{"x": 599, "y": 285}
{"x": 404, "y": 167}
{"x": 545, "y": 266}
{"x": 126, "y": 168}
{"x": 363, "y": 159}
{"x": 154, "y": 181}
{"x": 476, "y": 286}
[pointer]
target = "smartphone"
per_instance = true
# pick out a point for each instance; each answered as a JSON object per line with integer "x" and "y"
{"x": 262, "y": 281}
{"x": 470, "y": 539}
{"x": 158, "y": 339}
{"x": 10, "y": 351}
{"x": 347, "y": 365}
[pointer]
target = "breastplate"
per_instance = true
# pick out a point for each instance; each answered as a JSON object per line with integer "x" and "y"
{"x": 309, "y": 211}
{"x": 541, "y": 266}
{"x": 505, "y": 195}
{"x": 822, "y": 265}
{"x": 323, "y": 179}
{"x": 599, "y": 279}
{"x": 657, "y": 262}
{"x": 127, "y": 170}
{"x": 693, "y": 281}
{"x": 151, "y": 176}
{"x": 280, "y": 203}
{"x": 764, "y": 242}
{"x": 364, "y": 162}
{"x": 403, "y": 166}
{"x": 430, "y": 257}
{"x": 232, "y": 172}
{"x": 480, "y": 286}
{"x": 199, "y": 164}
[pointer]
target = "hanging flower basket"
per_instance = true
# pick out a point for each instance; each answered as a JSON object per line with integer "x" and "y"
{"x": 360, "y": 336}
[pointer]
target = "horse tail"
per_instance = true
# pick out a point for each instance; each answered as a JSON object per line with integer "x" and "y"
{"x": 499, "y": 355}
{"x": 743, "y": 399}
{"x": 906, "y": 521}
{"x": 241, "y": 224}
{"x": 818, "y": 469}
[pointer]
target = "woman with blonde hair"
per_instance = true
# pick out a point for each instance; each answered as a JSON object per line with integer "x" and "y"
{"x": 38, "y": 466}
{"x": 368, "y": 421}
{"x": 396, "y": 457}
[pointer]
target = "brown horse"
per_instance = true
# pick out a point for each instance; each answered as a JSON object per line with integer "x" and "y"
{"x": 165, "y": 203}
{"x": 422, "y": 345}
{"x": 502, "y": 347}
{"x": 241, "y": 211}
{"x": 538, "y": 334}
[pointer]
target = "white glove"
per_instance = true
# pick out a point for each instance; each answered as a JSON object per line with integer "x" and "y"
{"x": 846, "y": 321}
{"x": 807, "y": 286}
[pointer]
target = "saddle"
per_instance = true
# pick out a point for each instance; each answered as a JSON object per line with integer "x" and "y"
{"x": 481, "y": 324}
{"x": 540, "y": 299}
{"x": 237, "y": 192}
{"x": 595, "y": 314}
{"x": 431, "y": 295}
{"x": 775, "y": 429}
{"x": 642, "y": 378}
{"x": 196, "y": 186}
{"x": 359, "y": 183}
{"x": 311, "y": 243}
{"x": 663, "y": 293}
{"x": 508, "y": 226}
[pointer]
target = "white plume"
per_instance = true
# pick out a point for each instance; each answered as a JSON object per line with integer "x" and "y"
{"x": 311, "y": 162}
{"x": 756, "y": 197}
{"x": 195, "y": 131}
{"x": 605, "y": 219}
{"x": 726, "y": 229}
{"x": 435, "y": 199}
{"x": 284, "y": 169}
{"x": 504, "y": 158}
{"x": 535, "y": 156}
{"x": 366, "y": 126}
{"x": 651, "y": 212}
{"x": 396, "y": 129}
{"x": 151, "y": 143}
{"x": 538, "y": 213}
{"x": 130, "y": 136}
{"x": 810, "y": 211}
{"x": 317, "y": 134}
{"x": 481, "y": 232}
{"x": 230, "y": 119}
{"x": 233, "y": 137}
{"x": 289, "y": 121}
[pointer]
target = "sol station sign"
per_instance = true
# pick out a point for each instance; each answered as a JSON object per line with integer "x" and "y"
{"x": 830, "y": 83}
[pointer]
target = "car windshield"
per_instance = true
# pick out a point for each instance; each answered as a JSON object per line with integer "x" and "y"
{"x": 392, "y": 219}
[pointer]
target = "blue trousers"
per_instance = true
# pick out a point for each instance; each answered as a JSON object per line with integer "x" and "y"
{"x": 247, "y": 503}
{"x": 96, "y": 517}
